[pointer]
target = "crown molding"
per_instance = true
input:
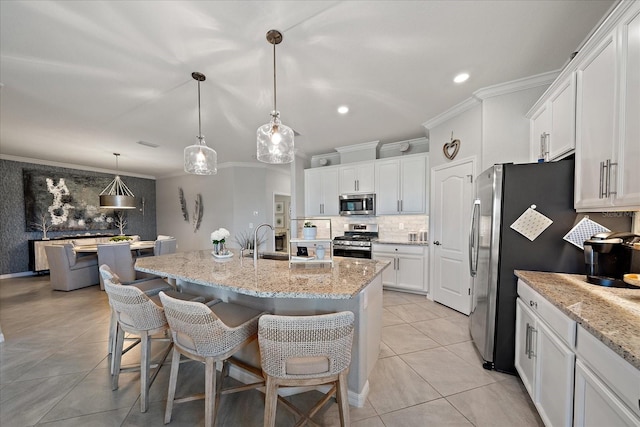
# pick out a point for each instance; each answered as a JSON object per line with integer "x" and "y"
{"x": 358, "y": 147}
{"x": 452, "y": 112}
{"x": 72, "y": 166}
{"x": 543, "y": 79}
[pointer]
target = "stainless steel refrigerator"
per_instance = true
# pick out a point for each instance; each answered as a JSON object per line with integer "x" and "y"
{"x": 504, "y": 192}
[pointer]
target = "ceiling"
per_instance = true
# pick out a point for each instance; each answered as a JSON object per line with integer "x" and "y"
{"x": 84, "y": 79}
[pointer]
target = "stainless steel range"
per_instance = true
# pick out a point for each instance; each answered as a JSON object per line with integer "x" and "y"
{"x": 356, "y": 242}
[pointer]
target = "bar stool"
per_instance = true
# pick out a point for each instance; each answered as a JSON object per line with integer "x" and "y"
{"x": 137, "y": 313}
{"x": 209, "y": 334}
{"x": 306, "y": 351}
{"x": 150, "y": 287}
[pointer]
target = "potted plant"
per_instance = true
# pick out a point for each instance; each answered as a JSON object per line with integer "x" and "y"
{"x": 309, "y": 231}
{"x": 218, "y": 238}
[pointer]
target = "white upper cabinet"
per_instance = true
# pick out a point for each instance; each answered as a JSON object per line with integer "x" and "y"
{"x": 401, "y": 185}
{"x": 321, "y": 191}
{"x": 608, "y": 119}
{"x": 628, "y": 189}
{"x": 552, "y": 127}
{"x": 357, "y": 178}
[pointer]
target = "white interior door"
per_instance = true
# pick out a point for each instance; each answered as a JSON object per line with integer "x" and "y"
{"x": 452, "y": 198}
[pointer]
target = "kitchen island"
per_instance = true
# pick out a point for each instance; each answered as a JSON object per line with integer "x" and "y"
{"x": 271, "y": 286}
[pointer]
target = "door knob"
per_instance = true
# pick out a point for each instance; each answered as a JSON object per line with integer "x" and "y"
{"x": 437, "y": 243}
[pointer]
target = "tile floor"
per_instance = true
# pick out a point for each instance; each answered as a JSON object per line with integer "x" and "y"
{"x": 54, "y": 371}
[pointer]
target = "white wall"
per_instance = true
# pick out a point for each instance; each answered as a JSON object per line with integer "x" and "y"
{"x": 495, "y": 130}
{"x": 505, "y": 129}
{"x": 467, "y": 127}
{"x": 230, "y": 199}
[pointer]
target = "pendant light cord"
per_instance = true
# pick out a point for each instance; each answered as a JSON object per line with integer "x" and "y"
{"x": 199, "y": 116}
{"x": 275, "y": 106}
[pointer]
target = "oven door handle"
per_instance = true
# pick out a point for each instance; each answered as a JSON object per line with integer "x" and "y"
{"x": 352, "y": 248}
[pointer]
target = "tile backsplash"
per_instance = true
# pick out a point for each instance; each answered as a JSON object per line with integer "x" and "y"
{"x": 388, "y": 225}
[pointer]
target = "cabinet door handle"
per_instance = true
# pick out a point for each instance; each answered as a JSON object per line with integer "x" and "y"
{"x": 533, "y": 304}
{"x": 401, "y": 207}
{"x": 602, "y": 191}
{"x": 609, "y": 163}
{"x": 398, "y": 263}
{"x": 398, "y": 205}
{"x": 527, "y": 341}
{"x": 532, "y": 337}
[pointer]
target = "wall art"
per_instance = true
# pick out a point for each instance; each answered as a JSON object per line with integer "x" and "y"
{"x": 64, "y": 202}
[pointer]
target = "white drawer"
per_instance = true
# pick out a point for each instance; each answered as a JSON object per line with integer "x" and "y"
{"x": 404, "y": 249}
{"x": 618, "y": 374}
{"x": 559, "y": 322}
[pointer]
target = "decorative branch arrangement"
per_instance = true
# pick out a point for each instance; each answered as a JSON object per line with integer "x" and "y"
{"x": 43, "y": 225}
{"x": 183, "y": 204}
{"x": 121, "y": 222}
{"x": 197, "y": 213}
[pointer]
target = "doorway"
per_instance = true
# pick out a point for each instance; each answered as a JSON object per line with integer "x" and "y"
{"x": 281, "y": 221}
{"x": 452, "y": 191}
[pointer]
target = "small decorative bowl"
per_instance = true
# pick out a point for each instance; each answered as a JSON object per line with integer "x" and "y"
{"x": 632, "y": 279}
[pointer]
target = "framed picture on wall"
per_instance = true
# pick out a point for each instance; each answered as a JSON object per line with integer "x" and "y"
{"x": 279, "y": 221}
{"x": 279, "y": 207}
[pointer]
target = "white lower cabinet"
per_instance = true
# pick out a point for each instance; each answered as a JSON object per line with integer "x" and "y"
{"x": 596, "y": 405}
{"x": 607, "y": 389}
{"x": 544, "y": 356}
{"x": 407, "y": 269}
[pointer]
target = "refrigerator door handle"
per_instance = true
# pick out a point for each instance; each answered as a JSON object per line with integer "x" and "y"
{"x": 473, "y": 241}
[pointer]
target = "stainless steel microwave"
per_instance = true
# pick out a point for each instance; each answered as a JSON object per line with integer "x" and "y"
{"x": 357, "y": 204}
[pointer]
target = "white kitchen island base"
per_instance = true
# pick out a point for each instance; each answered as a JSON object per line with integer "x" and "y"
{"x": 367, "y": 307}
{"x": 271, "y": 286}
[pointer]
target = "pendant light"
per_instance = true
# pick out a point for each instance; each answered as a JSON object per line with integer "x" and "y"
{"x": 275, "y": 140}
{"x": 198, "y": 158}
{"x": 117, "y": 195}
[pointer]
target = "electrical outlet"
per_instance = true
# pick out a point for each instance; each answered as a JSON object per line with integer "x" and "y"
{"x": 401, "y": 226}
{"x": 250, "y": 225}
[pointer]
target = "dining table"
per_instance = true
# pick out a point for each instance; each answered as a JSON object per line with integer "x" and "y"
{"x": 137, "y": 246}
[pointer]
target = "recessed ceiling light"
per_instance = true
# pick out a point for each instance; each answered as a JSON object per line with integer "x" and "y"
{"x": 343, "y": 109}
{"x": 462, "y": 77}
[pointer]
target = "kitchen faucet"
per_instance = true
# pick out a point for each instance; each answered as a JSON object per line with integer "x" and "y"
{"x": 255, "y": 241}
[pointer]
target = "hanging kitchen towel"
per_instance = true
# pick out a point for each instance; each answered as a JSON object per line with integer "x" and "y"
{"x": 583, "y": 230}
{"x": 531, "y": 223}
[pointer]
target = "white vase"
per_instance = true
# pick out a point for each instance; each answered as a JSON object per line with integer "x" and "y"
{"x": 309, "y": 233}
{"x": 320, "y": 252}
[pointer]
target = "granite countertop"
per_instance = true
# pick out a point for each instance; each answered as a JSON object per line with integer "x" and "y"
{"x": 611, "y": 314}
{"x": 400, "y": 242}
{"x": 271, "y": 278}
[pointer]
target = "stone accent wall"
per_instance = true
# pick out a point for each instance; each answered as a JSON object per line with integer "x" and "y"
{"x": 14, "y": 257}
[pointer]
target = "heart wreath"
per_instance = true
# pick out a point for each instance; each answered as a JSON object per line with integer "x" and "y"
{"x": 450, "y": 149}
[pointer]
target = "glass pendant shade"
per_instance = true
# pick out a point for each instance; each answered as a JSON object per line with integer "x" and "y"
{"x": 275, "y": 142}
{"x": 200, "y": 159}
